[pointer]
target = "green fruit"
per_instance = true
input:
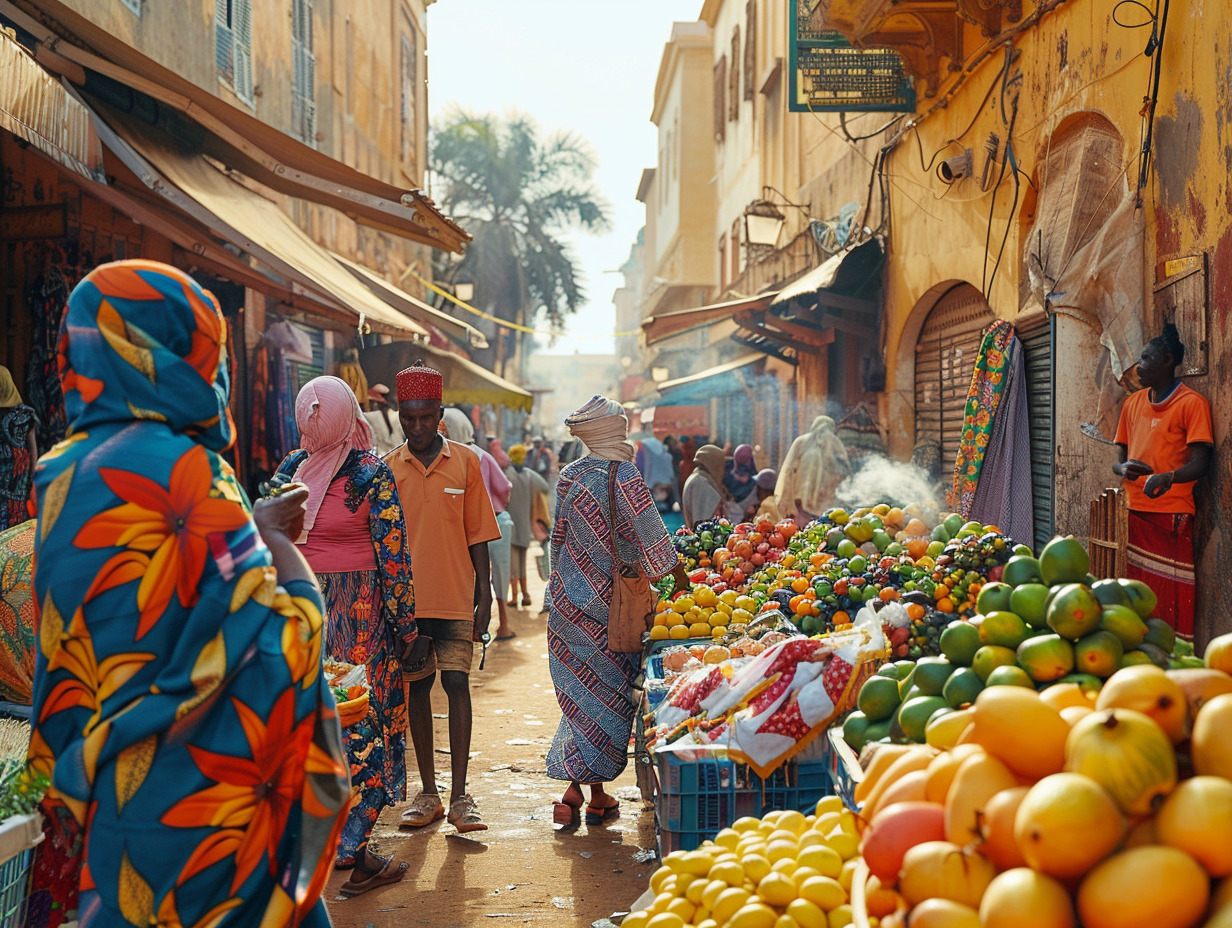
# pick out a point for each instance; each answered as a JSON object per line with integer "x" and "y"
{"x": 915, "y": 713}
{"x": 1074, "y": 611}
{"x": 1020, "y": 569}
{"x": 1133, "y": 658}
{"x": 894, "y": 549}
{"x": 858, "y": 564}
{"x": 1098, "y": 654}
{"x": 887, "y": 670}
{"x": 990, "y": 657}
{"x": 855, "y": 730}
{"x": 834, "y": 538}
{"x": 959, "y": 642}
{"x": 962, "y": 687}
{"x": 994, "y": 597}
{"x": 953, "y": 523}
{"x": 1064, "y": 560}
{"x": 910, "y": 693}
{"x": 931, "y": 674}
{"x": 877, "y": 731}
{"x": 878, "y": 698}
{"x": 905, "y": 685}
{"x": 903, "y": 669}
{"x": 1089, "y": 683}
{"x": 1009, "y": 676}
{"x": 1141, "y": 596}
{"x": 1003, "y": 628}
{"x": 1160, "y": 634}
{"x": 1158, "y": 656}
{"x": 846, "y": 548}
{"x": 811, "y": 625}
{"x": 1029, "y": 601}
{"x": 1046, "y": 658}
{"x": 1022, "y": 550}
{"x": 940, "y": 534}
{"x": 1111, "y": 593}
{"x": 1125, "y": 624}
{"x": 882, "y": 541}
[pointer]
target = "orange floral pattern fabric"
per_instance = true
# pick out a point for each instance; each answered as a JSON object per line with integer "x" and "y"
{"x": 179, "y": 704}
{"x": 988, "y": 382}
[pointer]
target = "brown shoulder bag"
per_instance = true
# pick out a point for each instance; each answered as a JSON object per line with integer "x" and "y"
{"x": 631, "y": 613}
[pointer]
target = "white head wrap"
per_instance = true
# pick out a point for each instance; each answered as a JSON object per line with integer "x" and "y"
{"x": 602, "y": 426}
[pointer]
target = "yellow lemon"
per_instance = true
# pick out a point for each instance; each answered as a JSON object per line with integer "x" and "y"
{"x": 786, "y": 921}
{"x": 658, "y": 877}
{"x": 718, "y": 631}
{"x": 695, "y": 891}
{"x": 812, "y": 838}
{"x": 731, "y": 874}
{"x": 756, "y": 867}
{"x": 697, "y": 863}
{"x": 679, "y": 632}
{"x": 666, "y": 920}
{"x": 728, "y": 903}
{"x": 780, "y": 849}
{"x": 683, "y": 604}
{"x": 847, "y": 844}
{"x": 659, "y": 632}
{"x": 824, "y": 892}
{"x": 822, "y": 858}
{"x": 754, "y": 915}
{"x": 699, "y": 630}
{"x": 727, "y": 838}
{"x": 807, "y": 914}
{"x": 777, "y": 889}
{"x": 636, "y": 920}
{"x": 839, "y": 918}
{"x": 683, "y": 908}
{"x": 827, "y": 821}
{"x": 829, "y": 804}
{"x": 845, "y": 877}
{"x": 748, "y": 823}
{"x": 787, "y": 865}
{"x": 673, "y": 619}
{"x": 710, "y": 895}
{"x": 794, "y": 822}
{"x": 802, "y": 874}
{"x": 782, "y": 834}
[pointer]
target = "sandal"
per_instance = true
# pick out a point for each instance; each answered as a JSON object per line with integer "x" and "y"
{"x": 599, "y": 815}
{"x": 566, "y": 813}
{"x": 385, "y": 877}
{"x": 425, "y": 809}
{"x": 526, "y": 601}
{"x": 464, "y": 815}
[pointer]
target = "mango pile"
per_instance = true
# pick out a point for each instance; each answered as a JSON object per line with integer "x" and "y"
{"x": 1109, "y": 809}
{"x": 1045, "y": 623}
{"x": 786, "y": 870}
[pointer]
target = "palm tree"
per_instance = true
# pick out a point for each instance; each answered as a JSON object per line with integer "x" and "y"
{"x": 517, "y": 193}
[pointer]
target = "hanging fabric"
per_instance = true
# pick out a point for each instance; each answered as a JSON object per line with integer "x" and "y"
{"x": 47, "y": 298}
{"x": 988, "y": 383}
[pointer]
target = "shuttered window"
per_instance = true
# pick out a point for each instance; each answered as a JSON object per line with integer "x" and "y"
{"x": 299, "y": 372}
{"x": 233, "y": 45}
{"x": 1037, "y": 344}
{"x": 733, "y": 79}
{"x": 944, "y": 360}
{"x": 720, "y": 99}
{"x": 304, "y": 76}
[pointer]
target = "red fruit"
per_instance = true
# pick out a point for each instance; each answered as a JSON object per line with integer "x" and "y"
{"x": 787, "y": 527}
{"x": 777, "y": 540}
{"x": 756, "y": 538}
{"x": 996, "y": 572}
{"x": 737, "y": 577}
{"x": 758, "y": 559}
{"x": 895, "y": 830}
{"x": 763, "y": 547}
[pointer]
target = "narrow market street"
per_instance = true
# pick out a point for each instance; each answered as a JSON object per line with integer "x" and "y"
{"x": 517, "y": 872}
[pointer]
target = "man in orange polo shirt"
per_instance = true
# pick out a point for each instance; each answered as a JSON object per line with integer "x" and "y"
{"x": 449, "y": 522}
{"x": 1165, "y": 436}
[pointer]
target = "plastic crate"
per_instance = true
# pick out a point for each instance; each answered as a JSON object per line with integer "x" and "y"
{"x": 18, "y": 838}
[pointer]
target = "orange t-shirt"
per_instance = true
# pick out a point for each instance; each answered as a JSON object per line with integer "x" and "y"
{"x": 1160, "y": 435}
{"x": 447, "y": 510}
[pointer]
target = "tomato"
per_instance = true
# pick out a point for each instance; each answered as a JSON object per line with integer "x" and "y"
{"x": 777, "y": 540}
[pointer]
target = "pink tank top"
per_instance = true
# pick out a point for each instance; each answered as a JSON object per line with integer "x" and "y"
{"x": 340, "y": 541}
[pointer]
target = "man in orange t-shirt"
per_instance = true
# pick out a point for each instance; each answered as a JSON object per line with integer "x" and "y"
{"x": 449, "y": 522}
{"x": 1164, "y": 435}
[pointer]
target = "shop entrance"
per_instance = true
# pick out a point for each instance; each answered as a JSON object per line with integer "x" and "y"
{"x": 944, "y": 359}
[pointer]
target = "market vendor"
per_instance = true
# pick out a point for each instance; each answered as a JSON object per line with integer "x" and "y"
{"x": 763, "y": 502}
{"x": 816, "y": 464}
{"x": 1165, "y": 436}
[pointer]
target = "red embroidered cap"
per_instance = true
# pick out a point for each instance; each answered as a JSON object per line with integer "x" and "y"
{"x": 419, "y": 382}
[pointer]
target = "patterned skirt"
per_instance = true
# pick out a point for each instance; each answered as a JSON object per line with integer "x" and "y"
{"x": 356, "y": 632}
{"x": 594, "y": 687}
{"x": 1161, "y": 555}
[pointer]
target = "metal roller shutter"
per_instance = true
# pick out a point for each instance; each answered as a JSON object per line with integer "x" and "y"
{"x": 1037, "y": 343}
{"x": 944, "y": 359}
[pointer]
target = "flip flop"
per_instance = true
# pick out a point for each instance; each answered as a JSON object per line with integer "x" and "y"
{"x": 350, "y": 889}
{"x": 506, "y": 637}
{"x": 599, "y": 816}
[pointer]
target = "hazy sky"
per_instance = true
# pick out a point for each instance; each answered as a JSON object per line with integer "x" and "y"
{"x": 572, "y": 64}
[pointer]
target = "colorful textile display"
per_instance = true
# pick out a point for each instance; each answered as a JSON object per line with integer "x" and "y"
{"x": 180, "y": 710}
{"x": 1161, "y": 555}
{"x": 16, "y": 613}
{"x": 47, "y": 299}
{"x": 1003, "y": 496}
{"x": 988, "y": 383}
{"x": 259, "y": 385}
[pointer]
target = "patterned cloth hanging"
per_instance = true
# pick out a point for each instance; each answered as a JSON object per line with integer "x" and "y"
{"x": 988, "y": 382}
{"x": 47, "y": 298}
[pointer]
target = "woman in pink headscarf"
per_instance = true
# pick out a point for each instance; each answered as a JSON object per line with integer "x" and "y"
{"x": 354, "y": 539}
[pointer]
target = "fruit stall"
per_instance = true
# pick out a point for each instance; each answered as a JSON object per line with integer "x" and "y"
{"x": 1006, "y": 740}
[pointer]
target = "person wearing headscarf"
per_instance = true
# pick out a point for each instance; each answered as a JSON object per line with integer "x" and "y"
{"x": 738, "y": 473}
{"x": 654, "y": 462}
{"x": 383, "y": 420}
{"x": 594, "y": 685}
{"x": 815, "y": 465}
{"x": 354, "y": 539}
{"x": 704, "y": 495}
{"x": 18, "y": 453}
{"x": 180, "y": 709}
{"x": 526, "y": 485}
{"x": 457, "y": 426}
{"x": 762, "y": 504}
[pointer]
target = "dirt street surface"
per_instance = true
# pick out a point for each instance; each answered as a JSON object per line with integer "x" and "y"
{"x": 519, "y": 871}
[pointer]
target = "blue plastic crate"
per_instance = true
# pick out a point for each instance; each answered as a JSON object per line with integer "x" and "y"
{"x": 797, "y": 786}
{"x": 670, "y": 841}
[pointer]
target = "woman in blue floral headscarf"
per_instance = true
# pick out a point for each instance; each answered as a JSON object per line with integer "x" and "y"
{"x": 193, "y": 747}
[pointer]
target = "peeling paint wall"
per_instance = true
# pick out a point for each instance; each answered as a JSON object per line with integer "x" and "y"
{"x": 1076, "y": 59}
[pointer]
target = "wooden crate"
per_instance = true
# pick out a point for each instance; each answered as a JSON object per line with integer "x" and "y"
{"x": 1109, "y": 534}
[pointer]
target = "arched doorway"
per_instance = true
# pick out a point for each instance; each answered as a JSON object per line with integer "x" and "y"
{"x": 944, "y": 359}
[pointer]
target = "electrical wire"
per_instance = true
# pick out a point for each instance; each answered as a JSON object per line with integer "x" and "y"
{"x": 1154, "y": 48}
